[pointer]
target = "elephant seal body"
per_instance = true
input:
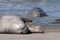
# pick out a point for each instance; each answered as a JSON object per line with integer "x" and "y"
{"x": 12, "y": 24}
{"x": 36, "y": 12}
{"x": 34, "y": 28}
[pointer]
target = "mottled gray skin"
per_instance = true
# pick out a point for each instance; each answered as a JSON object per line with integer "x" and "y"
{"x": 34, "y": 28}
{"x": 12, "y": 24}
{"x": 36, "y": 12}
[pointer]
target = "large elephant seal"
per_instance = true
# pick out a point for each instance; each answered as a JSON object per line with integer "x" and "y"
{"x": 12, "y": 24}
{"x": 36, "y": 12}
{"x": 34, "y": 28}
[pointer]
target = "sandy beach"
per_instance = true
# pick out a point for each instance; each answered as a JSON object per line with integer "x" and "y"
{"x": 34, "y": 36}
{"x": 50, "y": 7}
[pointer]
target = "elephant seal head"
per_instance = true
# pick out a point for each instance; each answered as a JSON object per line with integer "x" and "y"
{"x": 36, "y": 12}
{"x": 35, "y": 28}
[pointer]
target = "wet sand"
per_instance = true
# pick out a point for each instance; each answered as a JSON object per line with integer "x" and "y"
{"x": 34, "y": 36}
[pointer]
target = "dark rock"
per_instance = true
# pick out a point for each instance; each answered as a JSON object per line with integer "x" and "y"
{"x": 56, "y": 21}
{"x": 12, "y": 24}
{"x": 36, "y": 12}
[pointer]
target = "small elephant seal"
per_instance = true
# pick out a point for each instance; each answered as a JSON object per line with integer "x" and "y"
{"x": 12, "y": 24}
{"x": 34, "y": 28}
{"x": 36, "y": 12}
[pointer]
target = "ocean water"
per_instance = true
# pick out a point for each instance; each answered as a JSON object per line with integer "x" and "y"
{"x": 51, "y": 8}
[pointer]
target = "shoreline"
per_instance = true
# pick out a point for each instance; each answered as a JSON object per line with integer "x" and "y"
{"x": 36, "y": 36}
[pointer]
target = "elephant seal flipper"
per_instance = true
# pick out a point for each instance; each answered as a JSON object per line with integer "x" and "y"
{"x": 26, "y": 20}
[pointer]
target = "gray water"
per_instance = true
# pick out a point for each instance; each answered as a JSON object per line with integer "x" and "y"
{"x": 22, "y": 8}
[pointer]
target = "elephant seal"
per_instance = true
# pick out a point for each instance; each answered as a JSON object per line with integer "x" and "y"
{"x": 34, "y": 28}
{"x": 36, "y": 12}
{"x": 12, "y": 24}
